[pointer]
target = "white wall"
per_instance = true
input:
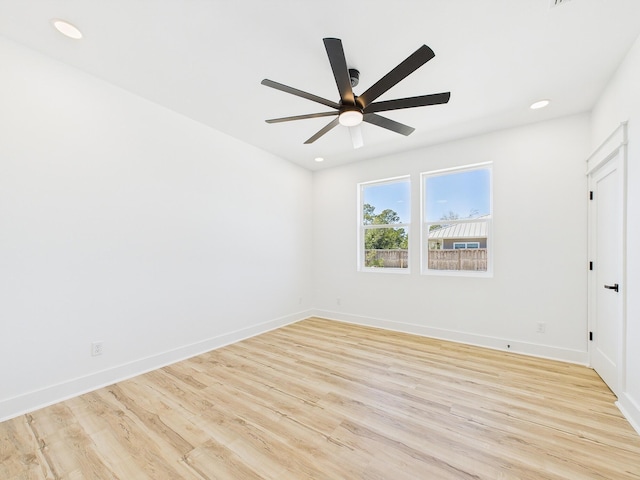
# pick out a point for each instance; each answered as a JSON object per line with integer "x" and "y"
{"x": 123, "y": 222}
{"x": 540, "y": 226}
{"x": 621, "y": 102}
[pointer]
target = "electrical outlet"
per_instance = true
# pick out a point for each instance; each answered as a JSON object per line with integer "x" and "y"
{"x": 338, "y": 301}
{"x": 96, "y": 349}
{"x": 541, "y": 327}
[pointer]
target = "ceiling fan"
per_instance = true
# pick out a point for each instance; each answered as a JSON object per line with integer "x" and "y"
{"x": 351, "y": 110}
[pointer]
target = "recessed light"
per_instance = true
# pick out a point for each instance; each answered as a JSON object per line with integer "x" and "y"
{"x": 539, "y": 104}
{"x": 319, "y": 159}
{"x": 66, "y": 28}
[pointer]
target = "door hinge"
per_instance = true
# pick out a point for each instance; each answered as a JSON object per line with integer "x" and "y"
{"x": 591, "y": 195}
{"x": 590, "y": 265}
{"x": 591, "y": 336}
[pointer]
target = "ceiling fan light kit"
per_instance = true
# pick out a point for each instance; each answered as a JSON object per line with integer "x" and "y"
{"x": 350, "y": 118}
{"x": 351, "y": 110}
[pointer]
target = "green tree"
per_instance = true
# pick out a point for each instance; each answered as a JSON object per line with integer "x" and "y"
{"x": 367, "y": 214}
{"x": 383, "y": 238}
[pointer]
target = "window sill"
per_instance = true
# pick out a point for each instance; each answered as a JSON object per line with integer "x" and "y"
{"x": 458, "y": 273}
{"x": 400, "y": 271}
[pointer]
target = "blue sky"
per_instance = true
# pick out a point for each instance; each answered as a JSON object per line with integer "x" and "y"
{"x": 461, "y": 193}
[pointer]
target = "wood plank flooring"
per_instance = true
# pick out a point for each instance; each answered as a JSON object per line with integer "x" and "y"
{"x": 326, "y": 400}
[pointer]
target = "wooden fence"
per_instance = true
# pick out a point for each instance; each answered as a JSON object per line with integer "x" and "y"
{"x": 387, "y": 258}
{"x": 461, "y": 259}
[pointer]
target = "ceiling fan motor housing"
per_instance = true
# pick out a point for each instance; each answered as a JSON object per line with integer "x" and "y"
{"x": 354, "y": 76}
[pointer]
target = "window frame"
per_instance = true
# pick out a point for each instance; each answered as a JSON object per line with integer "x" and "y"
{"x": 424, "y": 224}
{"x": 362, "y": 228}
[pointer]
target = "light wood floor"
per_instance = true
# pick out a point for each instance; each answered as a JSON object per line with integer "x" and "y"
{"x": 325, "y": 400}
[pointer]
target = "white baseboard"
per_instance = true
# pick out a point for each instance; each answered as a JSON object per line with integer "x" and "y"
{"x": 30, "y": 401}
{"x": 630, "y": 409}
{"x": 496, "y": 343}
{"x": 34, "y": 400}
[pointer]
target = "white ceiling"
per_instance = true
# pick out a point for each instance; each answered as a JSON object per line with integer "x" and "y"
{"x": 205, "y": 59}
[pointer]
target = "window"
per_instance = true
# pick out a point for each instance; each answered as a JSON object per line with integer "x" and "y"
{"x": 384, "y": 218}
{"x": 457, "y": 220}
{"x": 457, "y": 245}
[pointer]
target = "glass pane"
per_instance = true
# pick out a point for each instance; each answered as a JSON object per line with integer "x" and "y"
{"x": 386, "y": 247}
{"x": 458, "y": 258}
{"x": 386, "y": 203}
{"x": 456, "y": 196}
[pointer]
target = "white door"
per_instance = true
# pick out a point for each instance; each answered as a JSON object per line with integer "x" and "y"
{"x": 606, "y": 230}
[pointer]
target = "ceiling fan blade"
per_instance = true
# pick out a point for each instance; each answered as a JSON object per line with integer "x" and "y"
{"x": 340, "y": 69}
{"x": 356, "y": 136}
{"x": 299, "y": 93}
{"x": 410, "y": 102}
{"x": 301, "y": 117}
{"x": 389, "y": 124}
{"x": 403, "y": 70}
{"x": 322, "y": 131}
